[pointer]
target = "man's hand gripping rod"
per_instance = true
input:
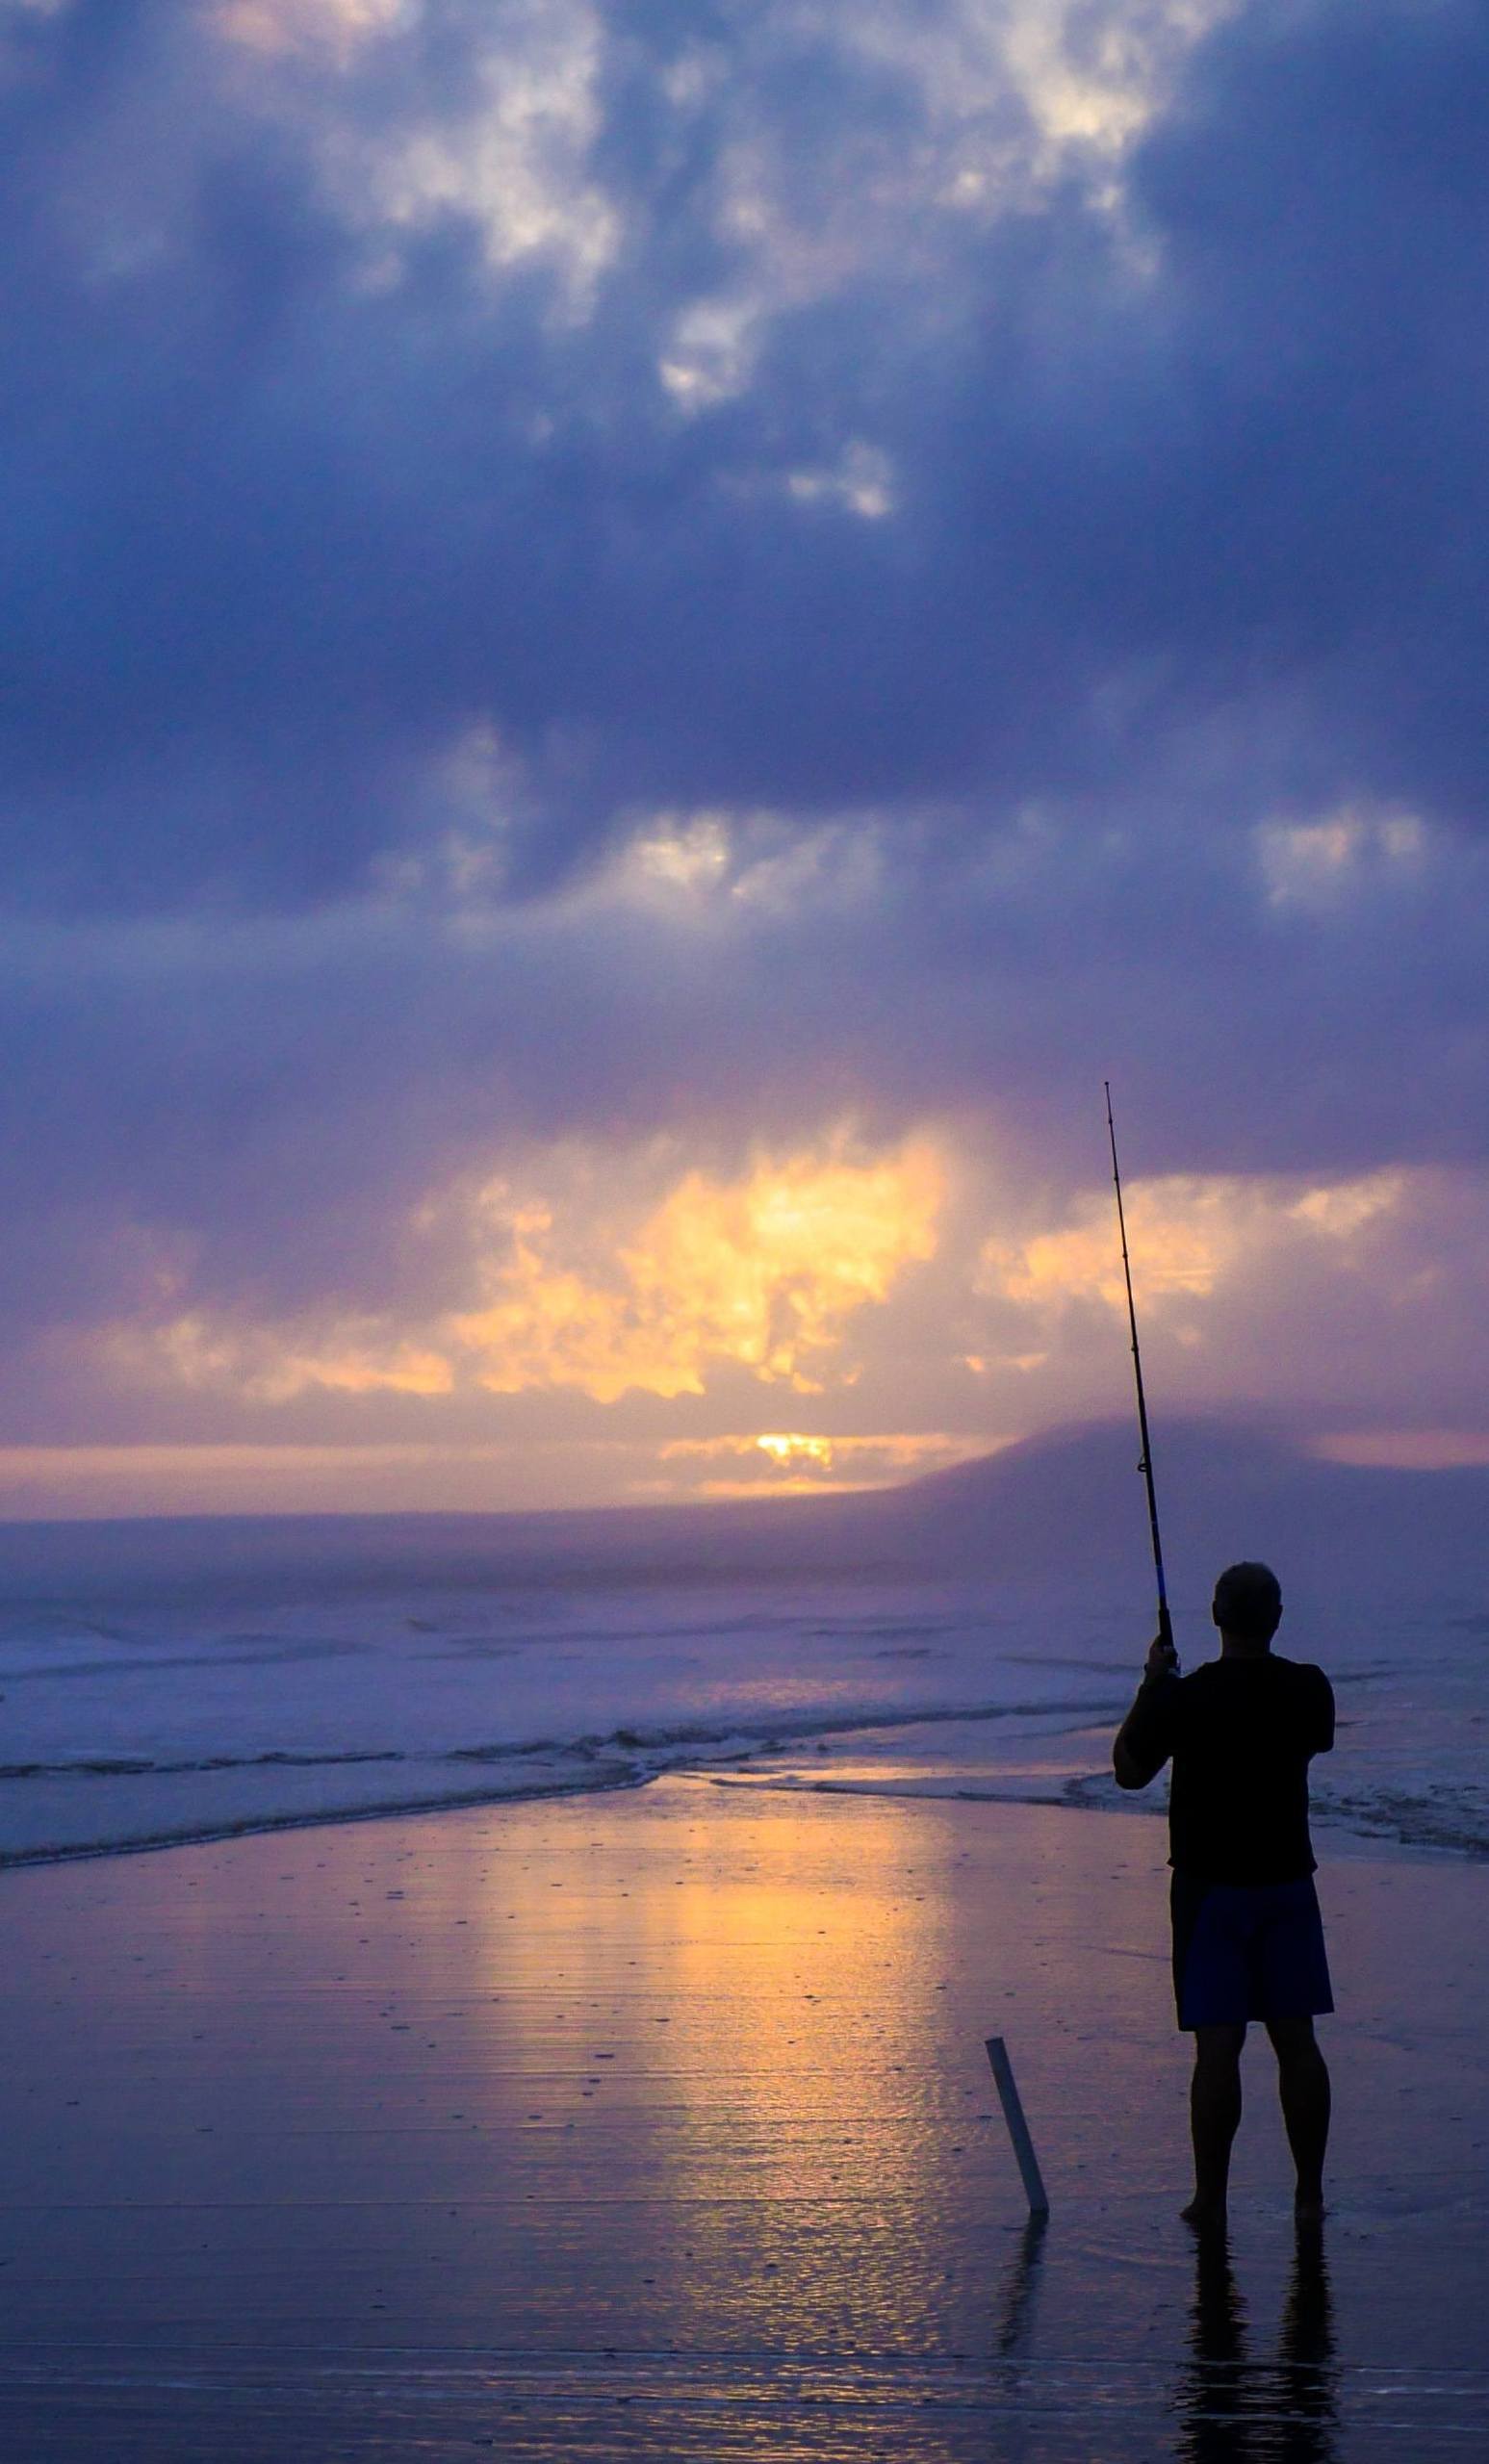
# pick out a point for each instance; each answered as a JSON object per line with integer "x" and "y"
{"x": 1145, "y": 1467}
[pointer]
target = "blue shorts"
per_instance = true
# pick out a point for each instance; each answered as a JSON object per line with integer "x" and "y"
{"x": 1247, "y": 1951}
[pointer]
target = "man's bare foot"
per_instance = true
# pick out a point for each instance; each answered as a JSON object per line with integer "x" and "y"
{"x": 1206, "y": 2214}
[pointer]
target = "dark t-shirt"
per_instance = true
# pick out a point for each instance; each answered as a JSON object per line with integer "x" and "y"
{"x": 1242, "y": 1733}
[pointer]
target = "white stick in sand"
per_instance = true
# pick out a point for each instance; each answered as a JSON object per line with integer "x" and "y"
{"x": 1017, "y": 2128}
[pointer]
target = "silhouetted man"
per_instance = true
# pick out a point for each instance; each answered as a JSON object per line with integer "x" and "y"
{"x": 1248, "y": 1938}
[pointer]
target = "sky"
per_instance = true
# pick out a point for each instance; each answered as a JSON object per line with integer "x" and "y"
{"x": 640, "y": 642}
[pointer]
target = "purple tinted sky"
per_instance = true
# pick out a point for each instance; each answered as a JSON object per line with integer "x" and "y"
{"x": 640, "y": 641}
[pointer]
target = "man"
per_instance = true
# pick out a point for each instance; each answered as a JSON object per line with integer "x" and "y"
{"x": 1248, "y": 1939}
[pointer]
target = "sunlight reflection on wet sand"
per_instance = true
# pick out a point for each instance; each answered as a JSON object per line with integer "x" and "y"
{"x": 662, "y": 2125}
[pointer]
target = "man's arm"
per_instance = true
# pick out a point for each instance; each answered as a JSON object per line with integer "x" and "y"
{"x": 1145, "y": 1741}
{"x": 1322, "y": 1716}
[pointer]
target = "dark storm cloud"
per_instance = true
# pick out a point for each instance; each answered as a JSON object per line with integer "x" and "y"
{"x": 1325, "y": 209}
{"x": 289, "y": 502}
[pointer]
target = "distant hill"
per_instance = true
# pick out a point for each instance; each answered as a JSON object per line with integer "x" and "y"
{"x": 1068, "y": 1505}
{"x": 1074, "y": 1502}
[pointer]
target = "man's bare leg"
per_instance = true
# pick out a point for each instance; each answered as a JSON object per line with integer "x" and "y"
{"x": 1215, "y": 2111}
{"x": 1303, "y": 2084}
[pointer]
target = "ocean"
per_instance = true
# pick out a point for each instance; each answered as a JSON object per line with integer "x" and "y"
{"x": 186, "y": 1681}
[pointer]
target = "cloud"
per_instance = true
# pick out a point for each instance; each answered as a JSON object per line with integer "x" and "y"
{"x": 270, "y": 1366}
{"x": 606, "y": 1296}
{"x": 381, "y": 446}
{"x": 1317, "y": 864}
{"x": 337, "y": 27}
{"x": 628, "y": 583}
{"x": 921, "y": 1297}
{"x": 1189, "y": 1235}
{"x": 1353, "y": 1301}
{"x": 249, "y": 1123}
{"x": 512, "y": 164}
{"x": 766, "y": 1272}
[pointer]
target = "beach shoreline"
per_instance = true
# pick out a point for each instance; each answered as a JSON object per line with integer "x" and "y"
{"x": 526, "y": 2096}
{"x": 1079, "y": 1796}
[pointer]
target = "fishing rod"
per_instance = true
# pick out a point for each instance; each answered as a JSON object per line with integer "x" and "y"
{"x": 1145, "y": 1467}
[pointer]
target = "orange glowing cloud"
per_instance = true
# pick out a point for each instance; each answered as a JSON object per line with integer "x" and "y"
{"x": 763, "y": 1272}
{"x": 609, "y": 1297}
{"x": 1187, "y": 1234}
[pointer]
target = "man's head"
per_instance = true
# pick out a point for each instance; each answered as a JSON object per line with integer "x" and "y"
{"x": 1248, "y": 1604}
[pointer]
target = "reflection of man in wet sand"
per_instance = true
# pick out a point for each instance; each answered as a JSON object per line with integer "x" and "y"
{"x": 1248, "y": 1941}
{"x": 1235, "y": 2410}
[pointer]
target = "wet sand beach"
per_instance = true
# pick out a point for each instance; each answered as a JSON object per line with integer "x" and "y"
{"x": 659, "y": 2124}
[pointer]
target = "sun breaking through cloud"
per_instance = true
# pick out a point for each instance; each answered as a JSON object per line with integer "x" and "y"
{"x": 765, "y": 1272}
